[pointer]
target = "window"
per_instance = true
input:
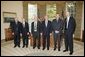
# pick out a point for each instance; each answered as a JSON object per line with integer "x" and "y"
{"x": 32, "y": 10}
{"x": 51, "y": 11}
{"x": 70, "y": 6}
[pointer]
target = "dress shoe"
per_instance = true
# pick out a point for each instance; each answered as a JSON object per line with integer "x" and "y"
{"x": 38, "y": 47}
{"x": 23, "y": 46}
{"x": 54, "y": 49}
{"x": 47, "y": 48}
{"x": 70, "y": 53}
{"x": 58, "y": 49}
{"x": 14, "y": 46}
{"x": 43, "y": 48}
{"x": 65, "y": 50}
{"x": 26, "y": 46}
{"x": 33, "y": 47}
{"x": 19, "y": 46}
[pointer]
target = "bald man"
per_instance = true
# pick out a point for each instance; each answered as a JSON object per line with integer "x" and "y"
{"x": 35, "y": 30}
{"x": 46, "y": 32}
{"x": 70, "y": 26}
{"x": 16, "y": 30}
{"x": 57, "y": 27}
{"x": 25, "y": 32}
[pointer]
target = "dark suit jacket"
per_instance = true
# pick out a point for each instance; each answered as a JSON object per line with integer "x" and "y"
{"x": 46, "y": 30}
{"x": 57, "y": 25}
{"x": 15, "y": 27}
{"x": 38, "y": 27}
{"x": 25, "y": 29}
{"x": 71, "y": 25}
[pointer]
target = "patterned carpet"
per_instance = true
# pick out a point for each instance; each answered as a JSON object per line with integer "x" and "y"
{"x": 8, "y": 50}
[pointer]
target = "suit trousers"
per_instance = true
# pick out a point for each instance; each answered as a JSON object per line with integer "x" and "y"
{"x": 17, "y": 40}
{"x": 36, "y": 39}
{"x": 56, "y": 40}
{"x": 25, "y": 40}
{"x": 69, "y": 41}
{"x": 46, "y": 41}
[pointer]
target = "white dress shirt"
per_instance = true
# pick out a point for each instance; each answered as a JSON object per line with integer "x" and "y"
{"x": 35, "y": 26}
{"x": 46, "y": 23}
{"x": 67, "y": 21}
{"x": 23, "y": 24}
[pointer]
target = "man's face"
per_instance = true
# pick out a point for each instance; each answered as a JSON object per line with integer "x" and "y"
{"x": 57, "y": 16}
{"x": 35, "y": 18}
{"x": 46, "y": 17}
{"x": 16, "y": 19}
{"x": 67, "y": 13}
{"x": 23, "y": 20}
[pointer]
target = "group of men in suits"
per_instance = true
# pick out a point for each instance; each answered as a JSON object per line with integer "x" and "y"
{"x": 20, "y": 29}
{"x": 45, "y": 29}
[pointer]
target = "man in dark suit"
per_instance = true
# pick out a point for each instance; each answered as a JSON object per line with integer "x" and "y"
{"x": 57, "y": 29}
{"x": 25, "y": 33}
{"x": 16, "y": 30}
{"x": 35, "y": 30}
{"x": 70, "y": 25}
{"x": 46, "y": 31}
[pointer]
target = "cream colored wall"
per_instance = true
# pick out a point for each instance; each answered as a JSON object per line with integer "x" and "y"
{"x": 10, "y": 6}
